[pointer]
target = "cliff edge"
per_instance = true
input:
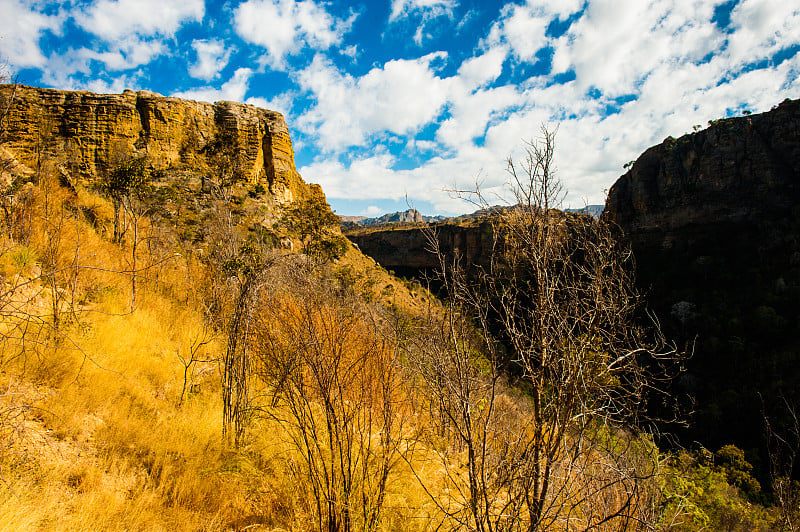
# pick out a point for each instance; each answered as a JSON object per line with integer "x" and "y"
{"x": 88, "y": 132}
{"x": 713, "y": 218}
{"x": 737, "y": 171}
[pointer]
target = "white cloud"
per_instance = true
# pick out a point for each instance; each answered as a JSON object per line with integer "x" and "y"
{"x": 483, "y": 69}
{"x": 283, "y": 103}
{"x": 425, "y": 12}
{"x": 524, "y": 27}
{"x": 372, "y": 211}
{"x": 617, "y": 44}
{"x": 128, "y": 52}
{"x": 399, "y": 98}
{"x": 21, "y": 27}
{"x": 133, "y": 30}
{"x": 212, "y": 57}
{"x": 115, "y": 86}
{"x": 284, "y": 27}
{"x": 350, "y": 51}
{"x": 428, "y": 8}
{"x": 472, "y": 112}
{"x": 112, "y": 19}
{"x": 761, "y": 28}
{"x": 234, "y": 89}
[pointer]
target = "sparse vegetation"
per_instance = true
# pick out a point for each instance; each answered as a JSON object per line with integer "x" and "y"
{"x": 251, "y": 387}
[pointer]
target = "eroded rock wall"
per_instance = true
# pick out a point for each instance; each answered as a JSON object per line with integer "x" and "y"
{"x": 737, "y": 171}
{"x": 714, "y": 222}
{"x": 88, "y": 133}
{"x": 406, "y": 251}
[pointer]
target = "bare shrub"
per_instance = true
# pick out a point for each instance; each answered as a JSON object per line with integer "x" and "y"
{"x": 334, "y": 391}
{"x": 556, "y": 312}
{"x": 783, "y": 443}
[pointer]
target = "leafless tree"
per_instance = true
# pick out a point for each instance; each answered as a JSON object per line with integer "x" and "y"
{"x": 195, "y": 356}
{"x": 557, "y": 313}
{"x": 335, "y": 393}
{"x": 783, "y": 445}
{"x": 234, "y": 276}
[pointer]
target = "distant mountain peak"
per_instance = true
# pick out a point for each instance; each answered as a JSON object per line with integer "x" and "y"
{"x": 408, "y": 216}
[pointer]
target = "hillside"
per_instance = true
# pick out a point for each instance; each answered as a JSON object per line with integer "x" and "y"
{"x": 187, "y": 342}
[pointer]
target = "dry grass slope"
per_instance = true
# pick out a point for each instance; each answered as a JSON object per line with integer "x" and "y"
{"x": 110, "y": 418}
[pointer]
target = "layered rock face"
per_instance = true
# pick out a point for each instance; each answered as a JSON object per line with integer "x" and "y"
{"x": 738, "y": 171}
{"x": 406, "y": 250}
{"x": 88, "y": 133}
{"x": 714, "y": 222}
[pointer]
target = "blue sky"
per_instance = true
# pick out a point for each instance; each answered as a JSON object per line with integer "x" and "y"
{"x": 395, "y": 99}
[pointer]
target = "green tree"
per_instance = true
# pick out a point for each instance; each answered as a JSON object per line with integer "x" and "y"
{"x": 126, "y": 182}
{"x": 312, "y": 220}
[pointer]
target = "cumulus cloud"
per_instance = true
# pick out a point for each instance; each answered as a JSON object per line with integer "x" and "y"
{"x": 400, "y": 97}
{"x": 615, "y": 45}
{"x": 21, "y": 27}
{"x": 429, "y": 8}
{"x": 284, "y": 27}
{"x": 212, "y": 57}
{"x": 115, "y": 85}
{"x": 283, "y": 103}
{"x": 128, "y": 52}
{"x": 425, "y": 12}
{"x": 761, "y": 28}
{"x": 523, "y": 27}
{"x": 133, "y": 31}
{"x": 235, "y": 89}
{"x": 112, "y": 19}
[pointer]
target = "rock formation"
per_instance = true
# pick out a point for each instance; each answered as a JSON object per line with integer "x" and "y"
{"x": 738, "y": 171}
{"x": 88, "y": 133}
{"x": 405, "y": 250}
{"x": 714, "y": 221}
{"x": 410, "y": 216}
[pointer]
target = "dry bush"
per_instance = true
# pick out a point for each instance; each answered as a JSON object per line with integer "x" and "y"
{"x": 334, "y": 392}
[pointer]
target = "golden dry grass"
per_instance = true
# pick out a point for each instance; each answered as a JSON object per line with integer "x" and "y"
{"x": 105, "y": 441}
{"x": 108, "y": 435}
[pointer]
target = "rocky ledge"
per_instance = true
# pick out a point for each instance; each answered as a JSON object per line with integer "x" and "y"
{"x": 87, "y": 133}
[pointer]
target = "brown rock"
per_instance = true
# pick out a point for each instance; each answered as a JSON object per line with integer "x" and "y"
{"x": 738, "y": 170}
{"x": 86, "y": 132}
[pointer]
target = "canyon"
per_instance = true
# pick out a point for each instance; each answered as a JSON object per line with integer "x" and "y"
{"x": 713, "y": 220}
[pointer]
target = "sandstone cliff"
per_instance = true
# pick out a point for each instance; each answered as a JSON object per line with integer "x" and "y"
{"x": 714, "y": 222}
{"x": 87, "y": 133}
{"x": 737, "y": 171}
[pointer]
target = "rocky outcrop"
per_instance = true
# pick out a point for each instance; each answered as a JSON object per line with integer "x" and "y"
{"x": 410, "y": 216}
{"x": 714, "y": 222}
{"x": 88, "y": 133}
{"x": 406, "y": 251}
{"x": 737, "y": 171}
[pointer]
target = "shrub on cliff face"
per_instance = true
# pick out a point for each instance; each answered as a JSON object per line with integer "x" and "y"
{"x": 738, "y": 471}
{"x": 314, "y": 224}
{"x": 125, "y": 183}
